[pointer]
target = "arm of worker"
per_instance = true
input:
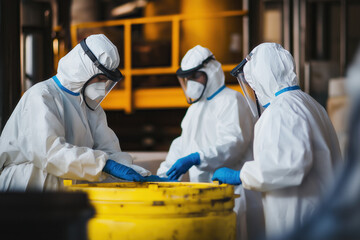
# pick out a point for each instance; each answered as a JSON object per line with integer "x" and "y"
{"x": 282, "y": 153}
{"x": 121, "y": 171}
{"x": 172, "y": 156}
{"x": 43, "y": 134}
{"x": 234, "y": 136}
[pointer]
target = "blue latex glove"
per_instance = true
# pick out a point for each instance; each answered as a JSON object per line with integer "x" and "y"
{"x": 182, "y": 165}
{"x": 227, "y": 175}
{"x": 121, "y": 171}
{"x": 155, "y": 178}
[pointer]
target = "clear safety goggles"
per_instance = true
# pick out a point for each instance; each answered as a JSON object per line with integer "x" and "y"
{"x": 97, "y": 87}
{"x": 193, "y": 74}
{"x": 198, "y": 76}
{"x": 249, "y": 93}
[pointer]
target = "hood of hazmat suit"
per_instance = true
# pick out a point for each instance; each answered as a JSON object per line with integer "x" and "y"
{"x": 52, "y": 135}
{"x": 200, "y": 59}
{"x": 76, "y": 68}
{"x": 295, "y": 145}
{"x": 219, "y": 126}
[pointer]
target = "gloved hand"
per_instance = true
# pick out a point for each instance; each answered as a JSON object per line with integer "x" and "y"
{"x": 227, "y": 175}
{"x": 182, "y": 165}
{"x": 155, "y": 178}
{"x": 121, "y": 171}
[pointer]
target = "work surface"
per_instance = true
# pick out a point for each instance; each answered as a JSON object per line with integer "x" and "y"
{"x": 151, "y": 161}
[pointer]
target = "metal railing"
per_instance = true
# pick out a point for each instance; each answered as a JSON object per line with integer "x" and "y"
{"x": 171, "y": 97}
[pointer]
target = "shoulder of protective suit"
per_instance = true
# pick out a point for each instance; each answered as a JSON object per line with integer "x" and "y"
{"x": 40, "y": 92}
{"x": 38, "y": 88}
{"x": 228, "y": 94}
{"x": 227, "y": 99}
{"x": 288, "y": 111}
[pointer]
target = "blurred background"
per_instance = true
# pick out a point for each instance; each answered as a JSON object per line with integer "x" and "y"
{"x": 147, "y": 108}
{"x": 152, "y": 36}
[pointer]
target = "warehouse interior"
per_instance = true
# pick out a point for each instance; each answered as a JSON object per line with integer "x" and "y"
{"x": 145, "y": 110}
{"x": 152, "y": 36}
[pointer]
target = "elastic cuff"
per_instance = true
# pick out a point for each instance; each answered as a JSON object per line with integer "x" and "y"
{"x": 238, "y": 177}
{"x": 202, "y": 162}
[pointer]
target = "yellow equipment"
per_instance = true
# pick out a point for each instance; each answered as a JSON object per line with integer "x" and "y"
{"x": 203, "y": 23}
{"x": 174, "y": 210}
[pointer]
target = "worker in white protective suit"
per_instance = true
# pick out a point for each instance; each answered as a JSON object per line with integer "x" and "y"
{"x": 217, "y": 131}
{"x": 58, "y": 130}
{"x": 295, "y": 146}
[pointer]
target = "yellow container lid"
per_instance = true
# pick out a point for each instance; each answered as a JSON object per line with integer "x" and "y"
{"x": 158, "y": 198}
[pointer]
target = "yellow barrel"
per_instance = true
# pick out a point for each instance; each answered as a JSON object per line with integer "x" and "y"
{"x": 175, "y": 210}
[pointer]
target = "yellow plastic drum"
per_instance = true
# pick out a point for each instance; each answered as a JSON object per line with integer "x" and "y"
{"x": 148, "y": 211}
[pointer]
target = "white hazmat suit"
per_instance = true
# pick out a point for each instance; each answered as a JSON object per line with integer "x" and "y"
{"x": 295, "y": 145}
{"x": 52, "y": 135}
{"x": 220, "y": 128}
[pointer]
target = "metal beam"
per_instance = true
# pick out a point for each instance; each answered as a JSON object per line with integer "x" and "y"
{"x": 151, "y": 98}
{"x": 303, "y": 46}
{"x": 246, "y": 30}
{"x": 287, "y": 24}
{"x": 320, "y": 32}
{"x": 343, "y": 36}
{"x": 296, "y": 36}
{"x": 129, "y": 99}
{"x": 10, "y": 83}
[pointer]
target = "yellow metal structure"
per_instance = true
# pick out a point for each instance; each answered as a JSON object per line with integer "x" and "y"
{"x": 130, "y": 210}
{"x": 127, "y": 98}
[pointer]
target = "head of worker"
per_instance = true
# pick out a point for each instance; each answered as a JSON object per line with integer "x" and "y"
{"x": 90, "y": 69}
{"x": 268, "y": 70}
{"x": 200, "y": 75}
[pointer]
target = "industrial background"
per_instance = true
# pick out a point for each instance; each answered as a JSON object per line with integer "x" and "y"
{"x": 145, "y": 110}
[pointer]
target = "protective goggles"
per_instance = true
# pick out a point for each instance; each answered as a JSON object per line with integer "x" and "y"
{"x": 186, "y": 73}
{"x": 193, "y": 81}
{"x": 193, "y": 86}
{"x": 249, "y": 93}
{"x": 98, "y": 86}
